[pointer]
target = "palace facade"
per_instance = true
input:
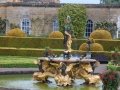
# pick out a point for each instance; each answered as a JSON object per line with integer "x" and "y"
{"x": 41, "y": 18}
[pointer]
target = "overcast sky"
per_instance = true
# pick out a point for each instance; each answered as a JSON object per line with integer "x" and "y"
{"x": 81, "y": 1}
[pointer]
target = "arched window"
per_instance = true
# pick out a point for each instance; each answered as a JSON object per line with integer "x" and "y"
{"x": 26, "y": 25}
{"x": 55, "y": 24}
{"x": 89, "y": 28}
{"x": 118, "y": 27}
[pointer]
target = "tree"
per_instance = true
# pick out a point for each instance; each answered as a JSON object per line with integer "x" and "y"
{"x": 78, "y": 18}
{"x": 110, "y": 2}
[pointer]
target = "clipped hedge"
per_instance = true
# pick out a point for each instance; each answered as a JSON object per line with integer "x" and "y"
{"x": 93, "y": 47}
{"x": 30, "y": 42}
{"x": 56, "y": 34}
{"x": 40, "y": 52}
{"x": 16, "y": 32}
{"x": 101, "y": 34}
{"x": 25, "y": 52}
{"x": 109, "y": 45}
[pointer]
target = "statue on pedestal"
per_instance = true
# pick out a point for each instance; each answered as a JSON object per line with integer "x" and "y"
{"x": 67, "y": 37}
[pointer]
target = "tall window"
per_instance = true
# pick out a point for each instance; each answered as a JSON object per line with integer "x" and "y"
{"x": 26, "y": 25}
{"x": 55, "y": 24}
{"x": 89, "y": 28}
{"x": 118, "y": 27}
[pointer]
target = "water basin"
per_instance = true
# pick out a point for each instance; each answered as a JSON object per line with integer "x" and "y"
{"x": 26, "y": 82}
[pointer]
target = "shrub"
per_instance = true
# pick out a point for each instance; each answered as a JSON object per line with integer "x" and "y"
{"x": 93, "y": 47}
{"x": 78, "y": 18}
{"x": 56, "y": 34}
{"x": 110, "y": 80}
{"x": 100, "y": 34}
{"x": 15, "y": 32}
{"x": 97, "y": 47}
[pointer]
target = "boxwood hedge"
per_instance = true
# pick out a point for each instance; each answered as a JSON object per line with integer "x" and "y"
{"x": 35, "y": 46}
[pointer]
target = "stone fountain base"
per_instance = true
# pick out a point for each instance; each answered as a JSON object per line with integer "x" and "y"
{"x": 65, "y": 71}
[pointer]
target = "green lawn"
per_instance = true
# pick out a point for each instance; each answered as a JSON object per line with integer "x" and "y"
{"x": 17, "y": 61}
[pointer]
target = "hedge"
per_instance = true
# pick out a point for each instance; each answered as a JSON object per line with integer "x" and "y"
{"x": 40, "y": 52}
{"x": 109, "y": 45}
{"x": 25, "y": 52}
{"x": 30, "y": 42}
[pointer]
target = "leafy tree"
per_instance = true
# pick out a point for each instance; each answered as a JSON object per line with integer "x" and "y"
{"x": 110, "y": 2}
{"x": 78, "y": 18}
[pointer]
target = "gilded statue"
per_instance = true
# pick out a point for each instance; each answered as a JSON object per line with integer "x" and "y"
{"x": 67, "y": 36}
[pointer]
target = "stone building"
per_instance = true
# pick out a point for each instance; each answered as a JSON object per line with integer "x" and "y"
{"x": 31, "y": 1}
{"x": 41, "y": 18}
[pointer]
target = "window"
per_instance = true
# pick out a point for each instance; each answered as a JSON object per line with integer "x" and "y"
{"x": 26, "y": 25}
{"x": 118, "y": 27}
{"x": 89, "y": 28}
{"x": 55, "y": 24}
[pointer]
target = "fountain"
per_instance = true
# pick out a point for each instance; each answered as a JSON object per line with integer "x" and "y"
{"x": 66, "y": 69}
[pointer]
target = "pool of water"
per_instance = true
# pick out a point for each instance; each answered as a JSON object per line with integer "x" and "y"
{"x": 26, "y": 82}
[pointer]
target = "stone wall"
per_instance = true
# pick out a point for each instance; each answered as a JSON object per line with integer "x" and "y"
{"x": 42, "y": 16}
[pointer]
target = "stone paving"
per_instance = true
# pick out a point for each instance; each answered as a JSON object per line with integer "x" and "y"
{"x": 17, "y": 70}
{"x": 99, "y": 69}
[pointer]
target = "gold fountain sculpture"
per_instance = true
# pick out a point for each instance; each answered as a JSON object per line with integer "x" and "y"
{"x": 65, "y": 71}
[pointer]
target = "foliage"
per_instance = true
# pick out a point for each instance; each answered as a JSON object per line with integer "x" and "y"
{"x": 38, "y": 42}
{"x": 12, "y": 26}
{"x": 116, "y": 54}
{"x": 91, "y": 45}
{"x": 109, "y": 26}
{"x": 56, "y": 34}
{"x": 110, "y": 80}
{"x": 110, "y": 2}
{"x": 111, "y": 66}
{"x": 97, "y": 47}
{"x": 2, "y": 25}
{"x": 26, "y": 51}
{"x": 100, "y": 34}
{"x": 15, "y": 32}
{"x": 78, "y": 18}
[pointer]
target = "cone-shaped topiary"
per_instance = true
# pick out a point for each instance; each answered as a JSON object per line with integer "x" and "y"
{"x": 56, "y": 34}
{"x": 93, "y": 47}
{"x": 101, "y": 34}
{"x": 15, "y": 32}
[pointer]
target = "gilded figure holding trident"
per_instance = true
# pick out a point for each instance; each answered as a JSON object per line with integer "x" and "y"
{"x": 67, "y": 36}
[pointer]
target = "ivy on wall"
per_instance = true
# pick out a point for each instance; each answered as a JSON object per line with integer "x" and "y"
{"x": 13, "y": 25}
{"x": 2, "y": 26}
{"x": 109, "y": 26}
{"x": 78, "y": 18}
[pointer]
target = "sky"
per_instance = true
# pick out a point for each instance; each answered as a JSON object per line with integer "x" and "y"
{"x": 81, "y": 1}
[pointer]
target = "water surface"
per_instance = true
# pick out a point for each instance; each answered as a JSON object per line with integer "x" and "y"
{"x": 26, "y": 82}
